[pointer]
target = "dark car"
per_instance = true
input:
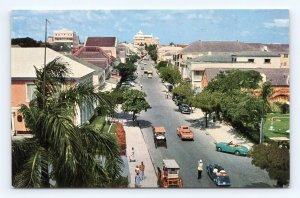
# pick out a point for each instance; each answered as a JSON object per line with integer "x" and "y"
{"x": 218, "y": 175}
{"x": 184, "y": 108}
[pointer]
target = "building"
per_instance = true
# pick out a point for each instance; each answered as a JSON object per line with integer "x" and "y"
{"x": 194, "y": 68}
{"x": 108, "y": 44}
{"x": 65, "y": 36}
{"x": 200, "y": 48}
{"x": 23, "y": 61}
{"x": 279, "y": 77}
{"x": 165, "y": 53}
{"x": 96, "y": 56}
{"x": 141, "y": 38}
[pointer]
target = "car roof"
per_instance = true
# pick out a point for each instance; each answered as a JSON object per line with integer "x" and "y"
{"x": 171, "y": 163}
{"x": 159, "y": 129}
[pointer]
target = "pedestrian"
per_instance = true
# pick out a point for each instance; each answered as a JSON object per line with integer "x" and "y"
{"x": 131, "y": 157}
{"x": 137, "y": 169}
{"x": 200, "y": 168}
{"x": 142, "y": 170}
{"x": 141, "y": 87}
{"x": 137, "y": 180}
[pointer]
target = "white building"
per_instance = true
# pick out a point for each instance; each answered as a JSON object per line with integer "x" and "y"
{"x": 141, "y": 38}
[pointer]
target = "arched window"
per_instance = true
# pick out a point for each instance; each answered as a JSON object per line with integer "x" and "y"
{"x": 19, "y": 118}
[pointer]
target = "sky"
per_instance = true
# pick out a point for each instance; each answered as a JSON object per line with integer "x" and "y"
{"x": 177, "y": 26}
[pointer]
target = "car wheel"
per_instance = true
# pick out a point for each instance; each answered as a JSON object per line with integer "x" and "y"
{"x": 237, "y": 153}
{"x": 219, "y": 149}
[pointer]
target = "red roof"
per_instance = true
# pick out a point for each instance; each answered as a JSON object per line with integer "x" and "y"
{"x": 101, "y": 41}
{"x": 92, "y": 52}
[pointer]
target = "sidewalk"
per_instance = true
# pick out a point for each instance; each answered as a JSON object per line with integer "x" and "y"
{"x": 221, "y": 132}
{"x": 134, "y": 138}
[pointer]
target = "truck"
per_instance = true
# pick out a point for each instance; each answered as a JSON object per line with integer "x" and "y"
{"x": 169, "y": 176}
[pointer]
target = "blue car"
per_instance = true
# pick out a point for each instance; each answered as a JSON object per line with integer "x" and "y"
{"x": 232, "y": 148}
{"x": 218, "y": 175}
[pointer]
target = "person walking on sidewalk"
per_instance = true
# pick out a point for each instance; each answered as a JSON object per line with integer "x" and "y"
{"x": 137, "y": 169}
{"x": 200, "y": 168}
{"x": 137, "y": 180}
{"x": 142, "y": 169}
{"x": 131, "y": 157}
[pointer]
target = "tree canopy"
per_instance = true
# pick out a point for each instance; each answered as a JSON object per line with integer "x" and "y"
{"x": 170, "y": 74}
{"x": 274, "y": 159}
{"x": 230, "y": 95}
{"x": 135, "y": 102}
{"x": 161, "y": 64}
{"x": 152, "y": 51}
{"x": 185, "y": 91}
{"x": 126, "y": 70}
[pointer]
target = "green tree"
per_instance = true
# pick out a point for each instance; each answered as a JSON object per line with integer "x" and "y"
{"x": 184, "y": 90}
{"x": 133, "y": 58}
{"x": 126, "y": 70}
{"x": 170, "y": 74}
{"x": 61, "y": 151}
{"x": 161, "y": 64}
{"x": 172, "y": 43}
{"x": 26, "y": 42}
{"x": 235, "y": 79}
{"x": 274, "y": 159}
{"x": 208, "y": 102}
{"x": 152, "y": 51}
{"x": 135, "y": 102}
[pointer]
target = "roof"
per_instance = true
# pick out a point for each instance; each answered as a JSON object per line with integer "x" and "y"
{"x": 159, "y": 129}
{"x": 91, "y": 52}
{"x": 23, "y": 61}
{"x": 277, "y": 76}
{"x": 233, "y": 46}
{"x": 217, "y": 46}
{"x": 171, "y": 163}
{"x": 101, "y": 41}
{"x": 86, "y": 63}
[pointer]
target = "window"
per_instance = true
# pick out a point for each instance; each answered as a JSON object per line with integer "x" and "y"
{"x": 197, "y": 73}
{"x": 267, "y": 61}
{"x": 285, "y": 55}
{"x": 251, "y": 60}
{"x": 30, "y": 88}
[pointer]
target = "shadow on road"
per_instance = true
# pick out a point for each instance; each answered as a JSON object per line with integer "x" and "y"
{"x": 258, "y": 185}
{"x": 144, "y": 124}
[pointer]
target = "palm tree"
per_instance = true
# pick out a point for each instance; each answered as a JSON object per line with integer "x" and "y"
{"x": 61, "y": 154}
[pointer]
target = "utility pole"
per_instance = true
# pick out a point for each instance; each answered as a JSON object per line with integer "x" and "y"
{"x": 45, "y": 54}
{"x": 261, "y": 131}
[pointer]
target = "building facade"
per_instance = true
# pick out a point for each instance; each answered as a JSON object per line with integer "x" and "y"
{"x": 23, "y": 77}
{"x": 249, "y": 59}
{"x": 141, "y": 38}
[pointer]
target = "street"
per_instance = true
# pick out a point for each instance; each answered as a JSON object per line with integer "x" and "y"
{"x": 165, "y": 113}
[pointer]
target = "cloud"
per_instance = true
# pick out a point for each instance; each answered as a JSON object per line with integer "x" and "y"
{"x": 167, "y": 17}
{"x": 278, "y": 23}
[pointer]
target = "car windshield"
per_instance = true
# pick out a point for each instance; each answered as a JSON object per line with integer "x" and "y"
{"x": 223, "y": 179}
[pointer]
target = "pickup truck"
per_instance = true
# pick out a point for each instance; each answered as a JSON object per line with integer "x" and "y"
{"x": 185, "y": 133}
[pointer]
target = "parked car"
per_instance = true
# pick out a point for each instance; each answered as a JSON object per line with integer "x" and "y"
{"x": 218, "y": 175}
{"x": 131, "y": 83}
{"x": 185, "y": 133}
{"x": 142, "y": 68}
{"x": 232, "y": 148}
{"x": 184, "y": 108}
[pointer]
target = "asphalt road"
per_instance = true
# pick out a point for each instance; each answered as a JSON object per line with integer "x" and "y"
{"x": 186, "y": 153}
